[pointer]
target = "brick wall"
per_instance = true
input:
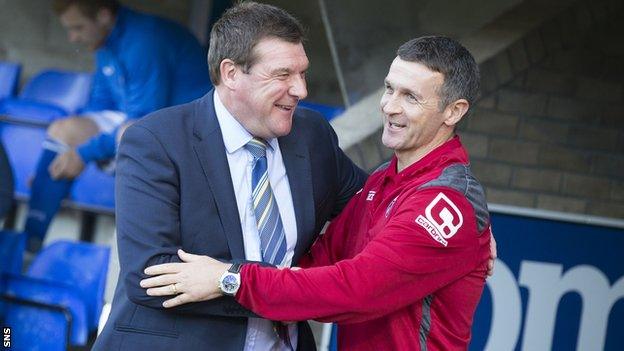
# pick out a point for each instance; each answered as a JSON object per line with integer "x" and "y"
{"x": 549, "y": 130}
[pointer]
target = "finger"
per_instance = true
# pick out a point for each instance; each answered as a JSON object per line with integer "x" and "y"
{"x": 165, "y": 268}
{"x": 160, "y": 280}
{"x": 187, "y": 257}
{"x": 177, "y": 301}
{"x": 166, "y": 290}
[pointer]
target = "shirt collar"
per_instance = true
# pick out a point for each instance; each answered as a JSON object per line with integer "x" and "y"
{"x": 450, "y": 151}
{"x": 235, "y": 136}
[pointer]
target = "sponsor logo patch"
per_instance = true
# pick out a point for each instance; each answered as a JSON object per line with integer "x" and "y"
{"x": 442, "y": 219}
{"x": 371, "y": 195}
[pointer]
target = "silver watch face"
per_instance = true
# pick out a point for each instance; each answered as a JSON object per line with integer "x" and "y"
{"x": 230, "y": 283}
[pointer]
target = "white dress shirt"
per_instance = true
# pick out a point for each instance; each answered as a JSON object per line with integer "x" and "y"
{"x": 260, "y": 333}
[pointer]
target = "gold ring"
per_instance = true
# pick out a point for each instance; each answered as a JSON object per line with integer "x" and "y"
{"x": 174, "y": 288}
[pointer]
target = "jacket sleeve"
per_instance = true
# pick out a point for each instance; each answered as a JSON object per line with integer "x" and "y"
{"x": 400, "y": 266}
{"x": 148, "y": 221}
{"x": 100, "y": 147}
{"x": 329, "y": 247}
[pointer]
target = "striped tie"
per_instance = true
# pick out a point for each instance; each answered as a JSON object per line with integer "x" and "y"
{"x": 268, "y": 220}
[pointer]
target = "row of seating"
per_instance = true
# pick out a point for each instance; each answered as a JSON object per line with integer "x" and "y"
{"x": 57, "y": 302}
{"x": 49, "y": 95}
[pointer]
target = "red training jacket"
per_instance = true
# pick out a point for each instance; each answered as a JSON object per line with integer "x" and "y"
{"x": 401, "y": 268}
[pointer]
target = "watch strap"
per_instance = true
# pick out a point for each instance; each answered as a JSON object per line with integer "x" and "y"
{"x": 235, "y": 268}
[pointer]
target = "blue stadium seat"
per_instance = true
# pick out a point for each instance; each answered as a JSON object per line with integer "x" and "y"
{"x": 9, "y": 77}
{"x": 328, "y": 111}
{"x": 30, "y": 111}
{"x": 49, "y": 95}
{"x": 12, "y": 246}
{"x": 82, "y": 266}
{"x": 44, "y": 314}
{"x": 23, "y": 147}
{"x": 67, "y": 90}
{"x": 94, "y": 190}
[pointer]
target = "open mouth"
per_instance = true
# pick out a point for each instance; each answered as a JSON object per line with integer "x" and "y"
{"x": 395, "y": 126}
{"x": 285, "y": 107}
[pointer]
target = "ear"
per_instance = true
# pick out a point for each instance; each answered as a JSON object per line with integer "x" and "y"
{"x": 455, "y": 111}
{"x": 229, "y": 72}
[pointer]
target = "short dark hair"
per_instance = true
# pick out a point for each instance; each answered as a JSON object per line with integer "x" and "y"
{"x": 235, "y": 35}
{"x": 88, "y": 8}
{"x": 449, "y": 57}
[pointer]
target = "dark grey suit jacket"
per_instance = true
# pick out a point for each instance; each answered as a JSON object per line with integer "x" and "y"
{"x": 6, "y": 184}
{"x": 174, "y": 189}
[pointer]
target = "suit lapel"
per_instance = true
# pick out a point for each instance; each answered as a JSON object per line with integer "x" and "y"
{"x": 296, "y": 158}
{"x": 210, "y": 150}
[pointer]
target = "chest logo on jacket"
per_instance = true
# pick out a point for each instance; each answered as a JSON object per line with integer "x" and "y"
{"x": 371, "y": 195}
{"x": 442, "y": 219}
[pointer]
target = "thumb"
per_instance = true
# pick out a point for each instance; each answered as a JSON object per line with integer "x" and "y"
{"x": 187, "y": 257}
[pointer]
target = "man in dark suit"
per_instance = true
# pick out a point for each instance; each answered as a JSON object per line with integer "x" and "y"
{"x": 240, "y": 174}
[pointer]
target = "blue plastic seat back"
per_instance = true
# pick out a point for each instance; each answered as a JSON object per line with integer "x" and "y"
{"x": 94, "y": 189}
{"x": 30, "y": 111}
{"x": 12, "y": 245}
{"x": 23, "y": 148}
{"x": 67, "y": 90}
{"x": 329, "y": 112}
{"x": 9, "y": 77}
{"x": 44, "y": 328}
{"x": 83, "y": 266}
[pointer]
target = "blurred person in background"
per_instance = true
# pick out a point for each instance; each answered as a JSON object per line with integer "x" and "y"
{"x": 143, "y": 63}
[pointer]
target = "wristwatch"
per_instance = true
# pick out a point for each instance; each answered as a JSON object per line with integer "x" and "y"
{"x": 230, "y": 281}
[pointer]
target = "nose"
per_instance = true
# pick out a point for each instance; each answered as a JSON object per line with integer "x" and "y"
{"x": 390, "y": 104}
{"x": 298, "y": 87}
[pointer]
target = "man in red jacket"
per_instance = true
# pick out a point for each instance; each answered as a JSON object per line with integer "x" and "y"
{"x": 404, "y": 265}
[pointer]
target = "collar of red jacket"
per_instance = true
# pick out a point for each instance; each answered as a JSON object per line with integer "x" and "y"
{"x": 450, "y": 152}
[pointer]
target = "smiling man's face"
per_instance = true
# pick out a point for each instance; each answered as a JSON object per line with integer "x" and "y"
{"x": 411, "y": 111}
{"x": 269, "y": 92}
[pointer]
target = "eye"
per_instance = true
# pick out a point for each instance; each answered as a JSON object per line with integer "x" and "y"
{"x": 389, "y": 89}
{"x": 411, "y": 98}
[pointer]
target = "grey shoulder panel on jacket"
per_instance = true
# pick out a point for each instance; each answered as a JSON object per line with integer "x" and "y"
{"x": 460, "y": 178}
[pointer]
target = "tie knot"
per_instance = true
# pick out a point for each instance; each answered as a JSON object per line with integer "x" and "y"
{"x": 257, "y": 147}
